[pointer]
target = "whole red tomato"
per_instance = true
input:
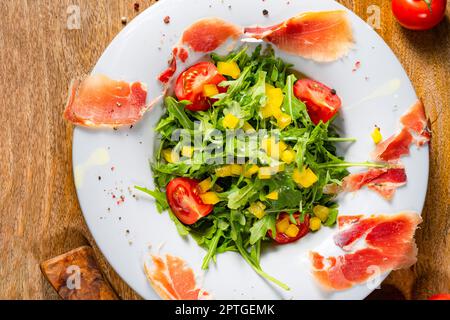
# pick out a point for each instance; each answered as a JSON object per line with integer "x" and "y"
{"x": 419, "y": 14}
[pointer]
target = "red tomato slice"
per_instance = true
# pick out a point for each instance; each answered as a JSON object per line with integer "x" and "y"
{"x": 440, "y": 296}
{"x": 416, "y": 15}
{"x": 185, "y": 202}
{"x": 321, "y": 101}
{"x": 190, "y": 84}
{"x": 282, "y": 238}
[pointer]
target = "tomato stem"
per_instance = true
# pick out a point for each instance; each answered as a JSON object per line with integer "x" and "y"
{"x": 428, "y": 3}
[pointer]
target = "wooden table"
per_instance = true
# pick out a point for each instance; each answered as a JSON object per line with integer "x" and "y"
{"x": 40, "y": 216}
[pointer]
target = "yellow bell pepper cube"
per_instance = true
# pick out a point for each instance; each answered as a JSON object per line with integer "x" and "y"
{"x": 236, "y": 169}
{"x": 247, "y": 127}
{"x": 305, "y": 178}
{"x": 278, "y": 168}
{"x": 272, "y": 148}
{"x": 288, "y": 156}
{"x": 224, "y": 171}
{"x": 170, "y": 156}
{"x": 273, "y": 195}
{"x": 230, "y": 121}
{"x": 274, "y": 97}
{"x": 266, "y": 112}
{"x": 209, "y": 198}
{"x": 292, "y": 231}
{"x": 265, "y": 173}
{"x": 376, "y": 135}
{"x": 210, "y": 90}
{"x": 283, "y": 224}
{"x": 283, "y": 120}
{"x": 205, "y": 185}
{"x": 257, "y": 209}
{"x": 229, "y": 68}
{"x": 321, "y": 212}
{"x": 315, "y": 224}
{"x": 187, "y": 151}
{"x": 251, "y": 170}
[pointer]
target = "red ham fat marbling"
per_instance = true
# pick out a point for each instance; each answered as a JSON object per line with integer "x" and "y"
{"x": 388, "y": 245}
{"x": 98, "y": 101}
{"x": 385, "y": 181}
{"x": 321, "y": 36}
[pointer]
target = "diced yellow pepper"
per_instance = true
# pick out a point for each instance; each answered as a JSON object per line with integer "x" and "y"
{"x": 250, "y": 171}
{"x": 187, "y": 151}
{"x": 247, "y": 127}
{"x": 224, "y": 171}
{"x": 273, "y": 195}
{"x": 305, "y": 178}
{"x": 292, "y": 231}
{"x": 315, "y": 224}
{"x": 210, "y": 90}
{"x": 278, "y": 168}
{"x": 230, "y": 121}
{"x": 209, "y": 198}
{"x": 283, "y": 120}
{"x": 376, "y": 135}
{"x": 266, "y": 112}
{"x": 236, "y": 169}
{"x": 283, "y": 224}
{"x": 257, "y": 209}
{"x": 229, "y": 68}
{"x": 272, "y": 148}
{"x": 170, "y": 156}
{"x": 288, "y": 156}
{"x": 274, "y": 97}
{"x": 321, "y": 212}
{"x": 265, "y": 173}
{"x": 205, "y": 185}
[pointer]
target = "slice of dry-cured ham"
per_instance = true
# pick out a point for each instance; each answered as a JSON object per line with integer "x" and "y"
{"x": 388, "y": 245}
{"x": 173, "y": 279}
{"x": 99, "y": 101}
{"x": 416, "y": 121}
{"x": 321, "y": 36}
{"x": 385, "y": 181}
{"x": 391, "y": 149}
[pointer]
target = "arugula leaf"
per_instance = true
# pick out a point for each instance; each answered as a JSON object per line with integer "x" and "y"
{"x": 240, "y": 197}
{"x": 177, "y": 110}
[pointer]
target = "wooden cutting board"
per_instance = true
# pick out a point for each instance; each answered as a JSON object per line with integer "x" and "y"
{"x": 40, "y": 217}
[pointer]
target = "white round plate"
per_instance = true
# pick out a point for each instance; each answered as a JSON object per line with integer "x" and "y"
{"x": 375, "y": 94}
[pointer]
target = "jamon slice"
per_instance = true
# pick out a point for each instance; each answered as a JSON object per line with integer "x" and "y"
{"x": 206, "y": 35}
{"x": 416, "y": 121}
{"x": 389, "y": 245}
{"x": 172, "y": 279}
{"x": 393, "y": 148}
{"x": 384, "y": 181}
{"x": 321, "y": 36}
{"x": 100, "y": 101}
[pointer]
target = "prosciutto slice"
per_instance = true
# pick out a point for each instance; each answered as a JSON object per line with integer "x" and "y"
{"x": 415, "y": 120}
{"x": 394, "y": 147}
{"x": 321, "y": 36}
{"x": 384, "y": 181}
{"x": 388, "y": 244}
{"x": 203, "y": 36}
{"x": 206, "y": 35}
{"x": 173, "y": 279}
{"x": 99, "y": 101}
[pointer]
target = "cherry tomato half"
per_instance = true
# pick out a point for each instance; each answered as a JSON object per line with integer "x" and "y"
{"x": 440, "y": 296}
{"x": 418, "y": 14}
{"x": 190, "y": 84}
{"x": 185, "y": 202}
{"x": 321, "y": 101}
{"x": 282, "y": 238}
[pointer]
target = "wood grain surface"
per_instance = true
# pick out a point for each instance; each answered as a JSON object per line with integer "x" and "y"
{"x": 39, "y": 213}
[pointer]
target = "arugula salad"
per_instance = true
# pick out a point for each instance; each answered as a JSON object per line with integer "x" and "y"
{"x": 247, "y": 155}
